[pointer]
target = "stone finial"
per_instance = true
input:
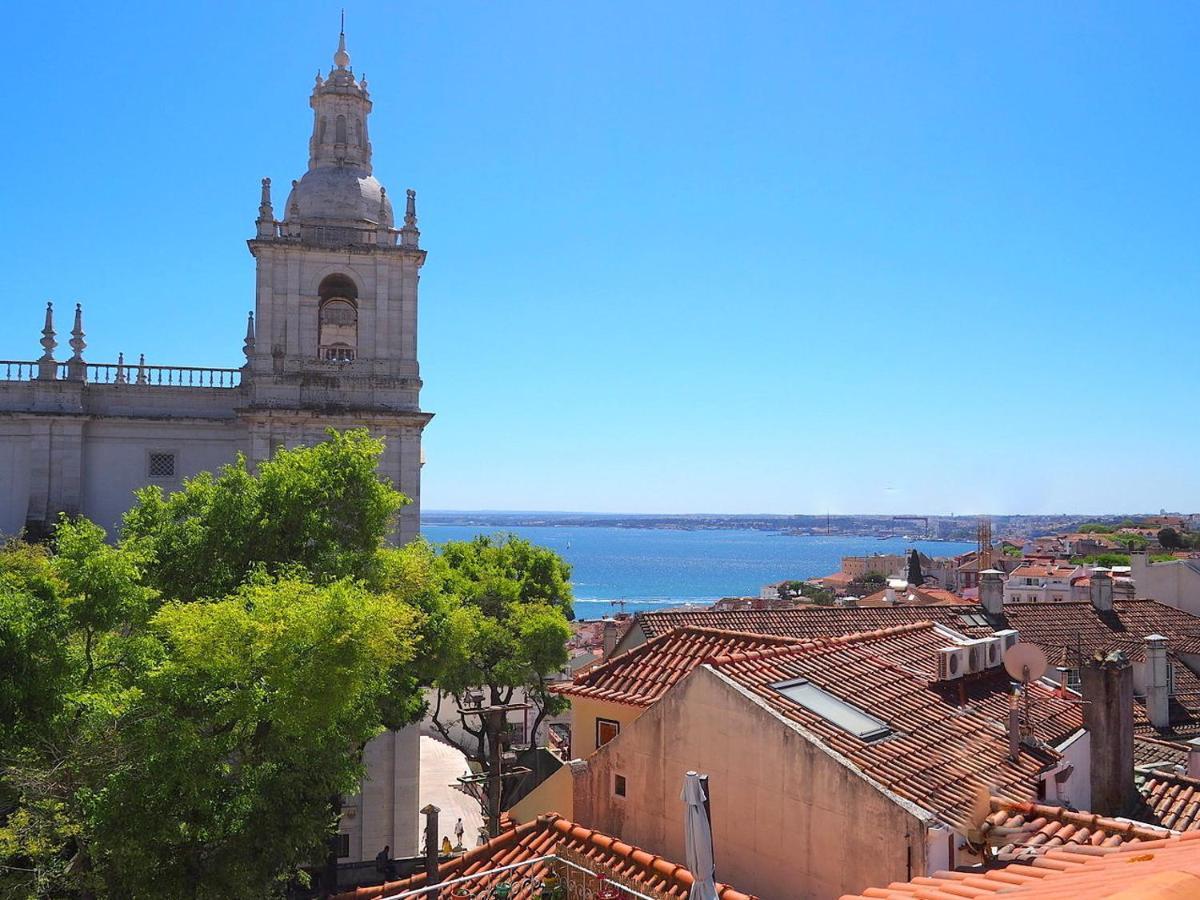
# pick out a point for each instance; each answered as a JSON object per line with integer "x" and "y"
{"x": 409, "y": 235}
{"x": 410, "y": 208}
{"x": 265, "y": 211}
{"x": 76, "y": 369}
{"x": 47, "y": 367}
{"x": 248, "y": 345}
{"x": 320, "y": 80}
{"x": 141, "y": 368}
{"x": 78, "y": 344}
{"x": 341, "y": 58}
{"x": 121, "y": 379}
{"x": 48, "y": 341}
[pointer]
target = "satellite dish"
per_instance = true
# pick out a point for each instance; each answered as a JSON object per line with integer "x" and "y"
{"x": 1025, "y": 662}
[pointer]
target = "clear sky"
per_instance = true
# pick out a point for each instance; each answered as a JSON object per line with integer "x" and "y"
{"x": 683, "y": 257}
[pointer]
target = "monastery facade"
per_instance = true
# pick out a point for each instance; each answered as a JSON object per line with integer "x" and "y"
{"x": 332, "y": 342}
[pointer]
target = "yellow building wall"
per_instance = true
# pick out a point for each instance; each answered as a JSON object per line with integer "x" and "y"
{"x": 554, "y": 795}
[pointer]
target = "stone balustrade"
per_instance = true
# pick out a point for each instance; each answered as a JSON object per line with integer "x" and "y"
{"x": 120, "y": 372}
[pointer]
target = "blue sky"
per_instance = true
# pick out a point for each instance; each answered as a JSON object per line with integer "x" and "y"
{"x": 793, "y": 257}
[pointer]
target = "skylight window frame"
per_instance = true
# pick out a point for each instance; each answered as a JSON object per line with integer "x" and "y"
{"x": 881, "y": 731}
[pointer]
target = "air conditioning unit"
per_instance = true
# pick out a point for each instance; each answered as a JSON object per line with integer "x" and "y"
{"x": 1008, "y": 639}
{"x": 993, "y": 651}
{"x": 976, "y": 654}
{"x": 952, "y": 663}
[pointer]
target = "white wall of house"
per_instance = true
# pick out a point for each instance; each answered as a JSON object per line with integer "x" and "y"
{"x": 1175, "y": 583}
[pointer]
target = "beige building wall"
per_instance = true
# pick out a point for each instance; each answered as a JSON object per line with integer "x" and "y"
{"x": 554, "y": 795}
{"x": 884, "y": 564}
{"x": 584, "y": 714}
{"x": 789, "y": 820}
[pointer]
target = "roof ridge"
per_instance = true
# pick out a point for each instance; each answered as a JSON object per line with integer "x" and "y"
{"x": 702, "y": 630}
{"x": 1141, "y": 830}
{"x": 822, "y": 643}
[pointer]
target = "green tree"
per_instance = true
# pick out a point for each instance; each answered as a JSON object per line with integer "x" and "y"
{"x": 1169, "y": 539}
{"x": 508, "y": 637}
{"x": 320, "y": 509}
{"x": 1131, "y": 541}
{"x": 915, "y": 577}
{"x": 1096, "y": 528}
{"x": 179, "y": 711}
{"x": 873, "y": 578}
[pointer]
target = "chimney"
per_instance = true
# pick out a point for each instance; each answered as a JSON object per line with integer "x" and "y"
{"x": 991, "y": 591}
{"x": 1193, "y": 760}
{"x": 1101, "y": 589}
{"x": 1158, "y": 697}
{"x": 889, "y": 595}
{"x": 430, "y": 813}
{"x": 610, "y": 637}
{"x": 1108, "y": 717}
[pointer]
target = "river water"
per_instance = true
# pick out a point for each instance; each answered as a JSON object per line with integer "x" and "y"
{"x": 657, "y": 568}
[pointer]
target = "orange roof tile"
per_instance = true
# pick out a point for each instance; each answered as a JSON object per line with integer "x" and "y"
{"x": 812, "y": 621}
{"x": 541, "y": 837}
{"x": 1173, "y": 800}
{"x": 640, "y": 676}
{"x": 1039, "y": 827}
{"x": 1146, "y": 869}
{"x": 940, "y": 754}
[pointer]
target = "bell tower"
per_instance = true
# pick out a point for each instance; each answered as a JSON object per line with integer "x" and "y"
{"x": 333, "y": 340}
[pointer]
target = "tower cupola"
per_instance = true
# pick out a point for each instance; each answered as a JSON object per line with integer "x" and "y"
{"x": 338, "y": 188}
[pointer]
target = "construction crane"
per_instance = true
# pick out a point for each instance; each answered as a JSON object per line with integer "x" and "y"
{"x": 984, "y": 550}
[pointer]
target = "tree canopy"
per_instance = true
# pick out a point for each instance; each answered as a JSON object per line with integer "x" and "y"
{"x": 508, "y": 635}
{"x": 178, "y": 708}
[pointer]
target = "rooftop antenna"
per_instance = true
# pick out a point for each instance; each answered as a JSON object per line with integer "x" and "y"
{"x": 1025, "y": 663}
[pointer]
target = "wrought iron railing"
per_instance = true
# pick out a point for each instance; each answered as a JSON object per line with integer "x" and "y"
{"x": 562, "y": 875}
{"x": 126, "y": 373}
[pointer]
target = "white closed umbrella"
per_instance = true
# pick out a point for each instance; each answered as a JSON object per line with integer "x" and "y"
{"x": 697, "y": 839}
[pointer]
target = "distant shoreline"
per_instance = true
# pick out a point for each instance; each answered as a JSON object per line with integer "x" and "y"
{"x": 914, "y": 528}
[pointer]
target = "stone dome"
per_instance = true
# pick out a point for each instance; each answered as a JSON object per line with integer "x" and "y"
{"x": 336, "y": 194}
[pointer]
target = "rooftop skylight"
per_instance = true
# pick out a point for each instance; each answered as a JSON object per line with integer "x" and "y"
{"x": 833, "y": 709}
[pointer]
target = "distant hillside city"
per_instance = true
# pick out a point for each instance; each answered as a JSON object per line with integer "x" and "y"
{"x": 935, "y": 528}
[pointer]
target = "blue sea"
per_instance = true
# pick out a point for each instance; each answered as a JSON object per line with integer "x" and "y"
{"x": 658, "y": 568}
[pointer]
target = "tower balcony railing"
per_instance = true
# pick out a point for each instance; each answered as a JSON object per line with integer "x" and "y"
{"x": 120, "y": 372}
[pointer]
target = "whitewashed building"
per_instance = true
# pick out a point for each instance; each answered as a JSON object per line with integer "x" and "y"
{"x": 332, "y": 342}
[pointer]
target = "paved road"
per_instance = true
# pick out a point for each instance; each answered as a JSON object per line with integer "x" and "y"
{"x": 441, "y": 764}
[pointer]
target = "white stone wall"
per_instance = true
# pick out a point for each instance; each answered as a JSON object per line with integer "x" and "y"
{"x": 385, "y": 811}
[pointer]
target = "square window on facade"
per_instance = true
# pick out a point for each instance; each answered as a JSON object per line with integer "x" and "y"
{"x": 161, "y": 465}
{"x": 619, "y": 785}
{"x": 606, "y": 730}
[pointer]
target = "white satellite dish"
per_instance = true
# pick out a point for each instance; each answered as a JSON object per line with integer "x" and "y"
{"x": 1025, "y": 662}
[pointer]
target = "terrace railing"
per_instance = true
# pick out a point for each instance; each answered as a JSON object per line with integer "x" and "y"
{"x": 121, "y": 372}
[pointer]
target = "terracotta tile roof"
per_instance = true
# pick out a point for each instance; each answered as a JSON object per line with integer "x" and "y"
{"x": 541, "y": 837}
{"x": 940, "y": 755}
{"x": 1172, "y": 800}
{"x": 640, "y": 676}
{"x": 1065, "y": 626}
{"x": 912, "y": 596}
{"x": 1146, "y": 869}
{"x": 1038, "y": 827}
{"x": 1152, "y": 751}
{"x": 814, "y": 621}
